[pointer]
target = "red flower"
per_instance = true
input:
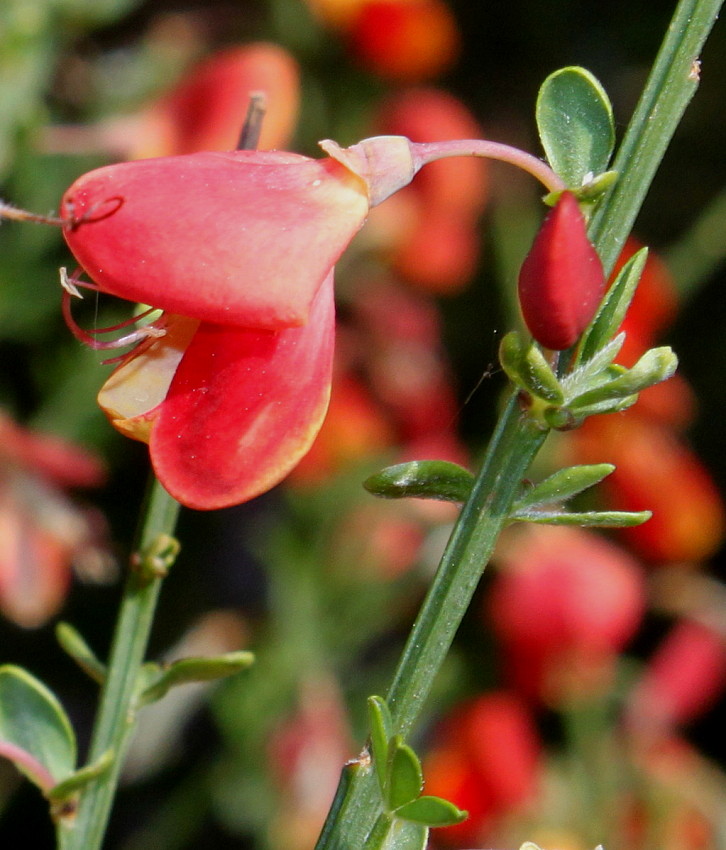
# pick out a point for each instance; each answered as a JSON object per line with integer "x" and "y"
{"x": 244, "y": 243}
{"x": 561, "y": 281}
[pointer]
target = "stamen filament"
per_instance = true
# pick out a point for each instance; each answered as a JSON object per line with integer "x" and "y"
{"x": 146, "y": 332}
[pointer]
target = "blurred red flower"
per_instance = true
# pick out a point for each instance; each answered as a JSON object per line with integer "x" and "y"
{"x": 655, "y": 470}
{"x": 683, "y": 679}
{"x": 430, "y": 228}
{"x": 563, "y": 603}
{"x": 42, "y": 532}
{"x": 486, "y": 759}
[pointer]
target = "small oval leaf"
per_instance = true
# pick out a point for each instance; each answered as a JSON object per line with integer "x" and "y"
{"x": 33, "y": 721}
{"x": 585, "y": 519}
{"x": 564, "y": 484}
{"x": 432, "y": 811}
{"x": 405, "y": 777}
{"x": 186, "y": 670}
{"x": 74, "y": 644}
{"x": 656, "y": 365}
{"x": 422, "y": 479}
{"x": 575, "y": 122}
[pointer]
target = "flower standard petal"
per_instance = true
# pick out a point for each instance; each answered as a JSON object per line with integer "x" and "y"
{"x": 244, "y": 406}
{"x": 243, "y": 238}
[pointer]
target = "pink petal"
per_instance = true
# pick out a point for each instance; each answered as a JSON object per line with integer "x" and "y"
{"x": 243, "y": 238}
{"x": 243, "y": 408}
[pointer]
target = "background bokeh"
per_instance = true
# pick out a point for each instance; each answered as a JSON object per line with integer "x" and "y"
{"x": 319, "y": 578}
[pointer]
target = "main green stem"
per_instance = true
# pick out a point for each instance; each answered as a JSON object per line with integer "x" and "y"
{"x": 670, "y": 87}
{"x": 116, "y": 716}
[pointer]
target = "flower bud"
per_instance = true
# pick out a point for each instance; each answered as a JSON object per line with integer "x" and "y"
{"x": 561, "y": 281}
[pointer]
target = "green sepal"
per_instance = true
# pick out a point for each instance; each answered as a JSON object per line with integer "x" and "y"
{"x": 587, "y": 194}
{"x": 613, "y": 308}
{"x": 33, "y": 721}
{"x": 404, "y": 779}
{"x": 527, "y": 368}
{"x": 74, "y": 644}
{"x": 379, "y": 717}
{"x": 432, "y": 811}
{"x": 406, "y": 835}
{"x": 538, "y": 377}
{"x": 656, "y": 365}
{"x": 80, "y": 778}
{"x": 156, "y": 680}
{"x": 422, "y": 479}
{"x": 563, "y": 485}
{"x": 585, "y": 519}
{"x": 575, "y": 123}
{"x": 597, "y": 186}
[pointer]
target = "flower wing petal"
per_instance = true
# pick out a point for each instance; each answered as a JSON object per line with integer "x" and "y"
{"x": 244, "y": 406}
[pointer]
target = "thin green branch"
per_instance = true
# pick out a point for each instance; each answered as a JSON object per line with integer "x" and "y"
{"x": 671, "y": 85}
{"x": 516, "y": 441}
{"x": 116, "y": 716}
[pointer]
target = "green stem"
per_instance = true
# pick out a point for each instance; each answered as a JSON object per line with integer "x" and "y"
{"x": 671, "y": 85}
{"x": 116, "y": 716}
{"x": 511, "y": 450}
{"x": 516, "y": 441}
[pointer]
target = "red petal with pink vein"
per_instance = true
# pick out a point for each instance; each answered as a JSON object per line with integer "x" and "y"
{"x": 244, "y": 406}
{"x": 243, "y": 238}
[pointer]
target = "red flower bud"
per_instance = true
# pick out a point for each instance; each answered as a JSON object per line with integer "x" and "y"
{"x": 561, "y": 281}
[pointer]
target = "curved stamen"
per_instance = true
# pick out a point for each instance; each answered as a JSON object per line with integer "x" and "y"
{"x": 149, "y": 332}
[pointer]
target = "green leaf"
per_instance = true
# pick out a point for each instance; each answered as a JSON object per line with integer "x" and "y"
{"x": 32, "y": 719}
{"x": 422, "y": 479}
{"x": 615, "y": 305}
{"x": 585, "y": 519}
{"x": 656, "y": 365}
{"x": 74, "y": 644}
{"x": 158, "y": 680}
{"x": 432, "y": 811}
{"x": 405, "y": 777}
{"x": 575, "y": 122}
{"x": 406, "y": 835}
{"x": 563, "y": 485}
{"x": 381, "y": 725}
